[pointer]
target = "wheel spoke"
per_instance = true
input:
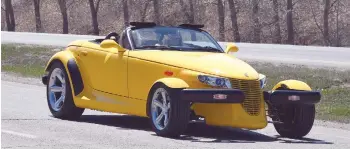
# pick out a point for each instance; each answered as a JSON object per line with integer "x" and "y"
{"x": 165, "y": 119}
{"x": 155, "y": 97}
{"x": 57, "y": 103}
{"x": 53, "y": 96}
{"x": 168, "y": 106}
{"x": 56, "y": 88}
{"x": 164, "y": 99}
{"x": 160, "y": 108}
{"x": 160, "y": 116}
{"x": 61, "y": 79}
{"x": 158, "y": 104}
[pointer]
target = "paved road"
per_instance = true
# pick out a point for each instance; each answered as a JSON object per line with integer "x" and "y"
{"x": 42, "y": 38}
{"x": 304, "y": 55}
{"x": 27, "y": 123}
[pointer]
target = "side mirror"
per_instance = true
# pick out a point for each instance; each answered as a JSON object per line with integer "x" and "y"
{"x": 109, "y": 43}
{"x": 231, "y": 47}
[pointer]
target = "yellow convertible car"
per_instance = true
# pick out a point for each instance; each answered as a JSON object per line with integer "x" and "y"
{"x": 173, "y": 75}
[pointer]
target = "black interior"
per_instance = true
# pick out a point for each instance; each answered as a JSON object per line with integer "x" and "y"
{"x": 109, "y": 36}
{"x": 113, "y": 34}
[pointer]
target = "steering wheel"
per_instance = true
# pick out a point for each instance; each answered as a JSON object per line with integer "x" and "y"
{"x": 113, "y": 34}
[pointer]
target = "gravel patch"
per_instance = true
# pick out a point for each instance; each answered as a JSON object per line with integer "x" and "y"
{"x": 13, "y": 77}
{"x": 331, "y": 124}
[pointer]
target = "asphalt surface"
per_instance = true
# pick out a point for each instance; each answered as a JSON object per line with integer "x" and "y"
{"x": 27, "y": 123}
{"x": 289, "y": 54}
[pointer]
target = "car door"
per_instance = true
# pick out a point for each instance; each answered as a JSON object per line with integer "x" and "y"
{"x": 106, "y": 68}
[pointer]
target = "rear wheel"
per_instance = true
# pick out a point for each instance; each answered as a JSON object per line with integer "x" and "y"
{"x": 59, "y": 94}
{"x": 168, "y": 114}
{"x": 297, "y": 120}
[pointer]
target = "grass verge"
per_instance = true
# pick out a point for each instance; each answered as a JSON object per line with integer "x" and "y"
{"x": 29, "y": 60}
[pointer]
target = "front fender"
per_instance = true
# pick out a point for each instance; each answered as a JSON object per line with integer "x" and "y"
{"x": 169, "y": 82}
{"x": 62, "y": 56}
{"x": 293, "y": 92}
{"x": 172, "y": 82}
{"x": 293, "y": 85}
{"x": 68, "y": 60}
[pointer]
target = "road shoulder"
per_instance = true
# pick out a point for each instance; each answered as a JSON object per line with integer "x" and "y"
{"x": 13, "y": 77}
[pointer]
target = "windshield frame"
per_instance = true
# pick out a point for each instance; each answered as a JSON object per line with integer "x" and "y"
{"x": 211, "y": 39}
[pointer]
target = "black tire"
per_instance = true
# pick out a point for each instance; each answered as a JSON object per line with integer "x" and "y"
{"x": 297, "y": 120}
{"x": 68, "y": 111}
{"x": 179, "y": 113}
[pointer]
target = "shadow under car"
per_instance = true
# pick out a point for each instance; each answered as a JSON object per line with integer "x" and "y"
{"x": 196, "y": 131}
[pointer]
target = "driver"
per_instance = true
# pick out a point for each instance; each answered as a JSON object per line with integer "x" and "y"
{"x": 173, "y": 39}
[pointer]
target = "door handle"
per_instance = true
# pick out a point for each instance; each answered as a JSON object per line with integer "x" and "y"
{"x": 84, "y": 53}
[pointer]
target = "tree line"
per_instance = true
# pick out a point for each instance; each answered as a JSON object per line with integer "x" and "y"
{"x": 303, "y": 22}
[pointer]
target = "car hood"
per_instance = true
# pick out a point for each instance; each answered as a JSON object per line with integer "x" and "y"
{"x": 220, "y": 64}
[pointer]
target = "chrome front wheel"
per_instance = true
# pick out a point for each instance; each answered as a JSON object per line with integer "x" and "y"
{"x": 160, "y": 108}
{"x": 57, "y": 89}
{"x": 59, "y": 94}
{"x": 169, "y": 115}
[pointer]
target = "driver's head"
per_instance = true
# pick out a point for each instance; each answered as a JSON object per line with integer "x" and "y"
{"x": 113, "y": 38}
{"x": 173, "y": 40}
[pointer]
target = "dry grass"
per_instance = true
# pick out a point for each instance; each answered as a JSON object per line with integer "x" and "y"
{"x": 27, "y": 60}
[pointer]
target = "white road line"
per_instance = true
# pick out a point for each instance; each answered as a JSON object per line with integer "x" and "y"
{"x": 19, "y": 134}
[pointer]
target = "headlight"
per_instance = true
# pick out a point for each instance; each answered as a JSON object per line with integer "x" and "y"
{"x": 262, "y": 80}
{"x": 215, "y": 81}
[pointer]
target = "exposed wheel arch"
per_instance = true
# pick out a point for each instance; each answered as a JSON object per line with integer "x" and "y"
{"x": 179, "y": 111}
{"x": 68, "y": 109}
{"x": 173, "y": 83}
{"x": 292, "y": 85}
{"x": 297, "y": 120}
{"x": 74, "y": 73}
{"x": 157, "y": 84}
{"x": 51, "y": 63}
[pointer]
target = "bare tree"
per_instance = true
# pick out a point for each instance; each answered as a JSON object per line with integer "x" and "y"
{"x": 221, "y": 16}
{"x": 126, "y": 13}
{"x": 143, "y": 11}
{"x": 338, "y": 43}
{"x": 325, "y": 29}
{"x": 38, "y": 26}
{"x": 156, "y": 11}
{"x": 325, "y": 21}
{"x": 277, "y": 38}
{"x": 256, "y": 22}
{"x": 290, "y": 26}
{"x": 3, "y": 23}
{"x": 10, "y": 18}
{"x": 63, "y": 8}
{"x": 94, "y": 11}
{"x": 234, "y": 23}
{"x": 326, "y": 12}
{"x": 316, "y": 22}
{"x": 189, "y": 14}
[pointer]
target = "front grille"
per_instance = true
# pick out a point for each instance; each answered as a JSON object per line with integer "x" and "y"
{"x": 252, "y": 91}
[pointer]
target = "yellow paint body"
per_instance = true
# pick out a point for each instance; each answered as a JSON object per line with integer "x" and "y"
{"x": 120, "y": 82}
{"x": 293, "y": 84}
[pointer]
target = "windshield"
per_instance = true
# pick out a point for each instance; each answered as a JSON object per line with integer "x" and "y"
{"x": 174, "y": 38}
